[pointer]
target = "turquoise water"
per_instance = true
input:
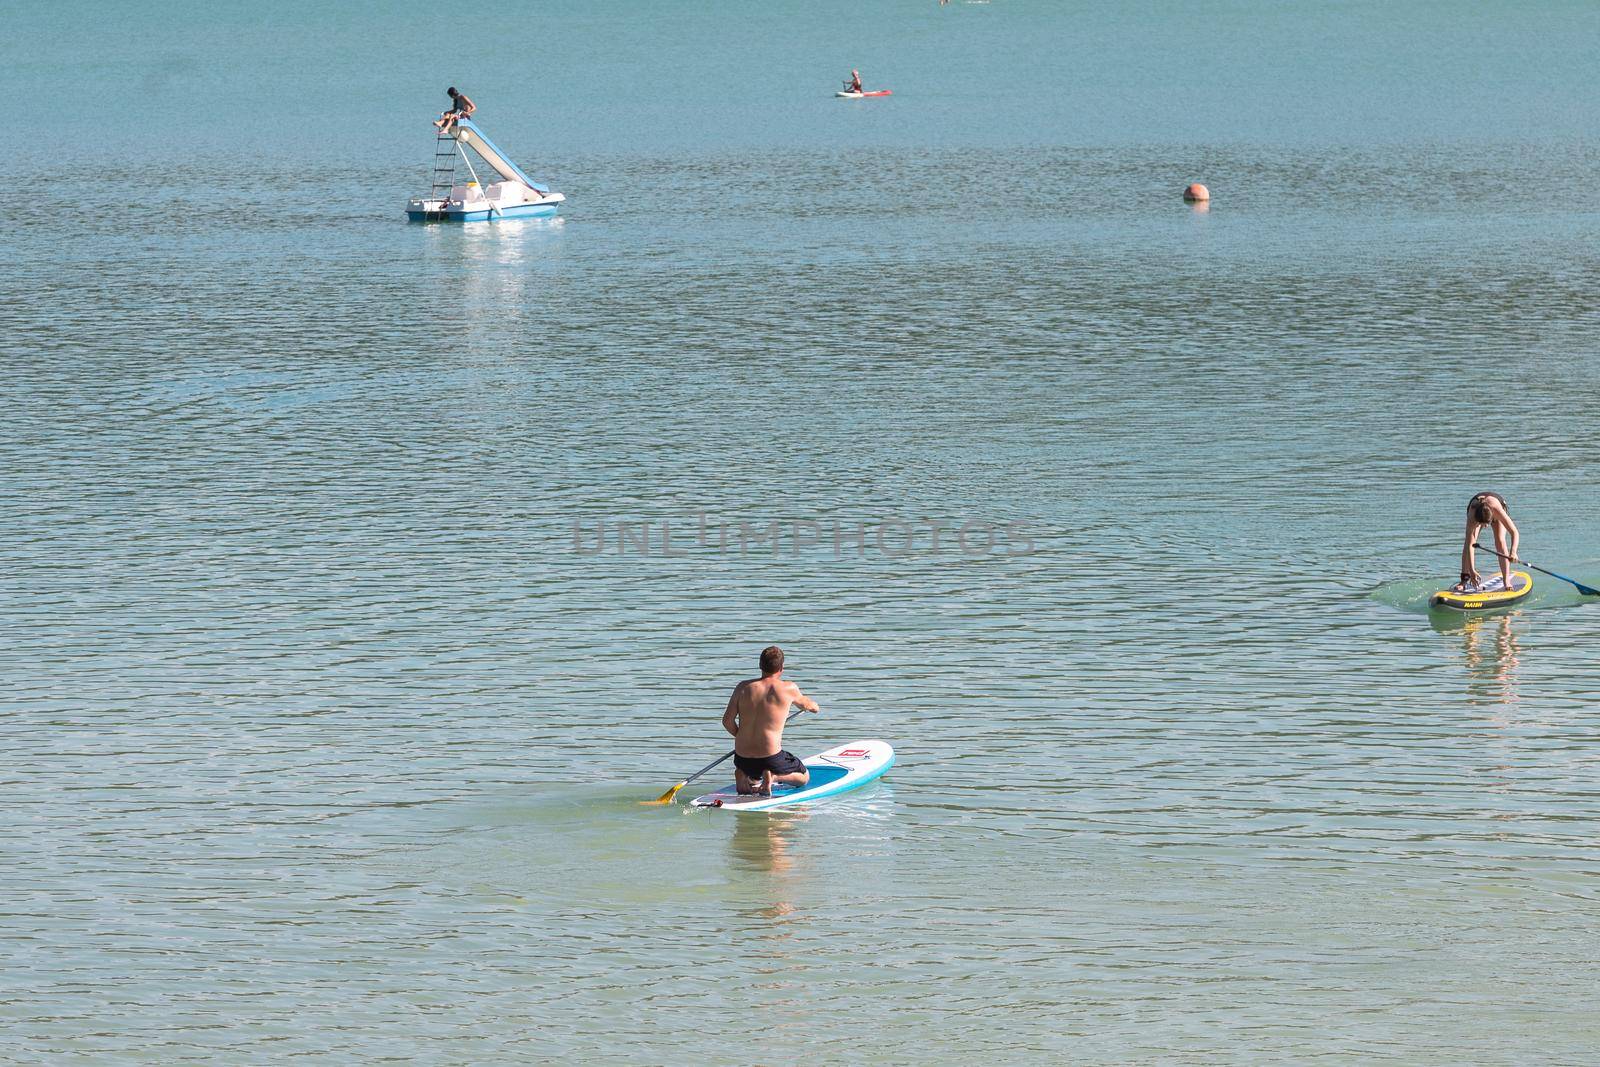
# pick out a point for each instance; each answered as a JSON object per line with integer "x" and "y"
{"x": 326, "y": 723}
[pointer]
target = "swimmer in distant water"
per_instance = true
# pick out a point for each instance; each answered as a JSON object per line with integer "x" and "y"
{"x": 1488, "y": 509}
{"x": 460, "y": 107}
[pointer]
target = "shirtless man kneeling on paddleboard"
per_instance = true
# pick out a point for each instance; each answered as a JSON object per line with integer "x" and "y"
{"x": 755, "y": 717}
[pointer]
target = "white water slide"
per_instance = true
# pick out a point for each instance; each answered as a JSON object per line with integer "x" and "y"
{"x": 469, "y": 135}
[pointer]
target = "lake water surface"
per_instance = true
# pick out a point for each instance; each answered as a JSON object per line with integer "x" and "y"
{"x": 326, "y": 723}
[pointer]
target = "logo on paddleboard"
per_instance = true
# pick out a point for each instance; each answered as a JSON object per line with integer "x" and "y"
{"x": 854, "y": 753}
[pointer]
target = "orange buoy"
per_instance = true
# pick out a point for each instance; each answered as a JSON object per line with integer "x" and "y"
{"x": 1196, "y": 192}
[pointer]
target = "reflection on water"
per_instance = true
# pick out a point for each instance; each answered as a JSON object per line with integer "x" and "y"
{"x": 496, "y": 271}
{"x": 765, "y": 842}
{"x": 1490, "y": 644}
{"x": 507, "y": 242}
{"x": 1489, "y": 641}
{"x": 766, "y": 845}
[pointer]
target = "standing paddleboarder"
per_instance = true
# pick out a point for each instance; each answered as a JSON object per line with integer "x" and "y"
{"x": 1488, "y": 509}
{"x": 755, "y": 717}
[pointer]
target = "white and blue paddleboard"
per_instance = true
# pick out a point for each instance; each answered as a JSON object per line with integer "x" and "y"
{"x": 835, "y": 771}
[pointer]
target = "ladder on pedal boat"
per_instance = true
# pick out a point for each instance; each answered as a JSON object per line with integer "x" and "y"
{"x": 445, "y": 152}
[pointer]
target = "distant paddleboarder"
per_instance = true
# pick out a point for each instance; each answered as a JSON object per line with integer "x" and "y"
{"x": 755, "y": 717}
{"x": 855, "y": 83}
{"x": 460, "y": 107}
{"x": 1488, "y": 509}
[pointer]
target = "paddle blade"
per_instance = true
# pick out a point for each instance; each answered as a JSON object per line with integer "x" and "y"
{"x": 1583, "y": 590}
{"x": 668, "y": 796}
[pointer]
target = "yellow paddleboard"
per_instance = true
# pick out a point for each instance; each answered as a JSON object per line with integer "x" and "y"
{"x": 1495, "y": 597}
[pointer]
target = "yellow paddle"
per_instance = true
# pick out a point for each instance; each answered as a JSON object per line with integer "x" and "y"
{"x": 670, "y": 795}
